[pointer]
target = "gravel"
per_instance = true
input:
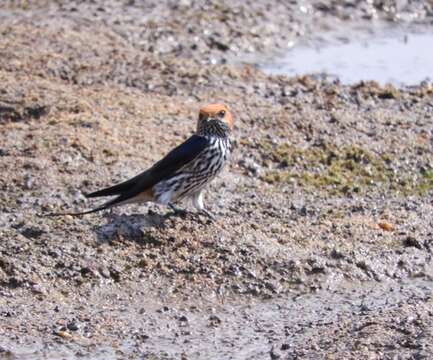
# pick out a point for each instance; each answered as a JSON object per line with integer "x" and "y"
{"x": 322, "y": 246}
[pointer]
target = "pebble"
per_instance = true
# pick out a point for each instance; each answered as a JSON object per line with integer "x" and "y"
{"x": 73, "y": 326}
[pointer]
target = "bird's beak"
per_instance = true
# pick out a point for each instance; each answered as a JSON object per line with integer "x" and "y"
{"x": 210, "y": 118}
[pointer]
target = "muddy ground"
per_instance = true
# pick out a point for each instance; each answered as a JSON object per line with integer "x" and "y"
{"x": 323, "y": 243}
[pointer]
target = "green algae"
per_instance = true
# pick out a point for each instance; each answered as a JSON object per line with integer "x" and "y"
{"x": 348, "y": 169}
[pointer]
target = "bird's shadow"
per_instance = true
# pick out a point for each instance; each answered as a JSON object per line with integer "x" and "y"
{"x": 134, "y": 227}
{"x": 130, "y": 227}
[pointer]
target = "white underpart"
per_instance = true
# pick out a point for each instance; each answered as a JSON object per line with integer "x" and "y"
{"x": 197, "y": 200}
{"x": 165, "y": 198}
{"x": 167, "y": 193}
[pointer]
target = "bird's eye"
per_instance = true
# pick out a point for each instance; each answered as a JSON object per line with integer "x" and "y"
{"x": 222, "y": 113}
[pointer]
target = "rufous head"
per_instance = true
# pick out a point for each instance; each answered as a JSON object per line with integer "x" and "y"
{"x": 215, "y": 117}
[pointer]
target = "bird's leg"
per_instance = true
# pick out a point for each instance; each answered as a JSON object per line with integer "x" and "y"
{"x": 177, "y": 211}
{"x": 110, "y": 212}
{"x": 197, "y": 201}
{"x": 208, "y": 214}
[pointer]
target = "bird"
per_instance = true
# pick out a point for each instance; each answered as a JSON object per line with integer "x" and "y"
{"x": 183, "y": 173}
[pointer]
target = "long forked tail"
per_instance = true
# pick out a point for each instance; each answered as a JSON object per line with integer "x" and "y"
{"x": 107, "y": 205}
{"x": 126, "y": 193}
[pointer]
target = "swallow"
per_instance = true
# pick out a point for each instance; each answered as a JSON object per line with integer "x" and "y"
{"x": 183, "y": 173}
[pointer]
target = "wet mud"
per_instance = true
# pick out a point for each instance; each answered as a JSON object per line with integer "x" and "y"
{"x": 322, "y": 244}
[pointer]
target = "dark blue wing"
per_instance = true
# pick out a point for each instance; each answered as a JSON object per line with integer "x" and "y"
{"x": 179, "y": 157}
{"x": 165, "y": 168}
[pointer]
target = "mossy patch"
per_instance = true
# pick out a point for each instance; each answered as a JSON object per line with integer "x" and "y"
{"x": 348, "y": 169}
{"x": 426, "y": 182}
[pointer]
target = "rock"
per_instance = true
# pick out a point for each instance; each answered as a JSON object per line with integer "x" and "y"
{"x": 105, "y": 272}
{"x": 183, "y": 318}
{"x": 38, "y": 289}
{"x": 73, "y": 326}
{"x": 251, "y": 166}
{"x": 411, "y": 241}
{"x": 285, "y": 346}
{"x": 214, "y": 320}
{"x": 386, "y": 226}
{"x": 32, "y": 232}
{"x": 64, "y": 334}
{"x": 275, "y": 353}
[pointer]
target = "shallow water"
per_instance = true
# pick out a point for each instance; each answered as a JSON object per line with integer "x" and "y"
{"x": 396, "y": 58}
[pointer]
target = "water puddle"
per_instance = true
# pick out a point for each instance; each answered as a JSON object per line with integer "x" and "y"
{"x": 397, "y": 58}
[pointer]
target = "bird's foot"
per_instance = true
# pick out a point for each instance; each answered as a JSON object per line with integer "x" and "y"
{"x": 184, "y": 213}
{"x": 110, "y": 214}
{"x": 208, "y": 214}
{"x": 177, "y": 212}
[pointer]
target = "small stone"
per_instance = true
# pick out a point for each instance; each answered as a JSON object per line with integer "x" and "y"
{"x": 38, "y": 289}
{"x": 275, "y": 353}
{"x": 336, "y": 254}
{"x": 410, "y": 241}
{"x": 28, "y": 182}
{"x": 163, "y": 309}
{"x": 64, "y": 334}
{"x": 385, "y": 226}
{"x": 214, "y": 320}
{"x": 32, "y": 232}
{"x": 285, "y": 347}
{"x": 73, "y": 326}
{"x": 251, "y": 166}
{"x": 104, "y": 272}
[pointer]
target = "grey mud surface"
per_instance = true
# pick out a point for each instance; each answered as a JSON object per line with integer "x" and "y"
{"x": 373, "y": 321}
{"x": 323, "y": 243}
